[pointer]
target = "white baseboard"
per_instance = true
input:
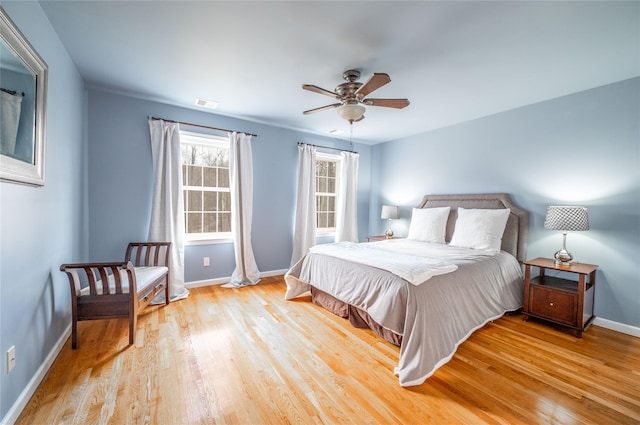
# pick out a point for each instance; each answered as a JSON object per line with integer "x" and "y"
{"x": 207, "y": 282}
{"x": 274, "y": 273}
{"x": 617, "y": 326}
{"x": 12, "y": 415}
{"x": 221, "y": 280}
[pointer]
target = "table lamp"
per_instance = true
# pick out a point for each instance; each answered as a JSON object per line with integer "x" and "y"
{"x": 390, "y": 212}
{"x": 566, "y": 218}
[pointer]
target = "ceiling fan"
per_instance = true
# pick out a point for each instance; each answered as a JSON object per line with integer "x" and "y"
{"x": 351, "y": 95}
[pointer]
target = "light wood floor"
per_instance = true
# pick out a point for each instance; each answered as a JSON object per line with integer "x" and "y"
{"x": 246, "y": 356}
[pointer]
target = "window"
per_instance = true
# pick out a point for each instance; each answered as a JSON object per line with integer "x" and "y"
{"x": 205, "y": 186}
{"x": 327, "y": 174}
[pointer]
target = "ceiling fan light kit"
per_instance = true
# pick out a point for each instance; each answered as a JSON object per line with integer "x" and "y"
{"x": 351, "y": 113}
{"x": 351, "y": 95}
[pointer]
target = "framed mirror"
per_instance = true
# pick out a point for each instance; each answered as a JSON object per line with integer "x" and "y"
{"x": 23, "y": 91}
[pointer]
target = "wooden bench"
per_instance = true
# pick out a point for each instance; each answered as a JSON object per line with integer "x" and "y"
{"x": 109, "y": 290}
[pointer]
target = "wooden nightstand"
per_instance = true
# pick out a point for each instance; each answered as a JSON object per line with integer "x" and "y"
{"x": 565, "y": 302}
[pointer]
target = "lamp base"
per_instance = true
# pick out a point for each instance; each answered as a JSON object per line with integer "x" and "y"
{"x": 389, "y": 233}
{"x": 563, "y": 257}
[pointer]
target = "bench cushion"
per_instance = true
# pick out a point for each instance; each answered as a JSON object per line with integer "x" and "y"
{"x": 145, "y": 276}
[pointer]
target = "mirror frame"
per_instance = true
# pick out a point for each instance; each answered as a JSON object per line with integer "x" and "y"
{"x": 11, "y": 169}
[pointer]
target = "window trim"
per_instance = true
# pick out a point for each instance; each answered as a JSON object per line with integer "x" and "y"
{"x": 205, "y": 140}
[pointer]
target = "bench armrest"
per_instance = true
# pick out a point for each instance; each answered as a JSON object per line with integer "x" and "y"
{"x": 101, "y": 273}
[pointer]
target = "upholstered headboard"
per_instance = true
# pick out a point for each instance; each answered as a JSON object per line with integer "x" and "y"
{"x": 515, "y": 235}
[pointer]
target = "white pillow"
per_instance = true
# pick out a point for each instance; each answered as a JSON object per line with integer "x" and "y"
{"x": 428, "y": 224}
{"x": 480, "y": 229}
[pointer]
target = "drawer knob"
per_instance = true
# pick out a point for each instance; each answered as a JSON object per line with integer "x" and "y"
{"x": 551, "y": 304}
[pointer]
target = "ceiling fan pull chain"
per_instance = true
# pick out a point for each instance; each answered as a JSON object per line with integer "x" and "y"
{"x": 351, "y": 135}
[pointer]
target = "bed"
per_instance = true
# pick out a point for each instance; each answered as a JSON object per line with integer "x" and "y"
{"x": 427, "y": 293}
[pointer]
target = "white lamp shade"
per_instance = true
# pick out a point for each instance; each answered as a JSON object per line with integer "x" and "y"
{"x": 390, "y": 212}
{"x": 567, "y": 218}
{"x": 351, "y": 112}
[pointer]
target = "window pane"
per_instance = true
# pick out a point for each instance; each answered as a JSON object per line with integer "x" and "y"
{"x": 189, "y": 154}
{"x": 224, "y": 222}
{"x": 184, "y": 174}
{"x": 331, "y": 185}
{"x": 194, "y": 223}
{"x": 195, "y": 200}
{"x": 209, "y": 224}
{"x": 210, "y": 201}
{"x": 223, "y": 177}
{"x": 224, "y": 201}
{"x": 209, "y": 177}
{"x": 223, "y": 158}
{"x": 321, "y": 168}
{"x": 331, "y": 220}
{"x": 209, "y": 156}
{"x": 323, "y": 203}
{"x": 322, "y": 220}
{"x": 332, "y": 203}
{"x": 321, "y": 184}
{"x": 331, "y": 169}
{"x": 194, "y": 176}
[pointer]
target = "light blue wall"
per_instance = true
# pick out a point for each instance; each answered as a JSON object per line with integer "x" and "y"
{"x": 41, "y": 228}
{"x": 588, "y": 141}
{"x": 120, "y": 169}
{"x": 582, "y": 149}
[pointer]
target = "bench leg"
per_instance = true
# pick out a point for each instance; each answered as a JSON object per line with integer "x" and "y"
{"x": 132, "y": 329}
{"x": 166, "y": 291}
{"x": 133, "y": 320}
{"x": 74, "y": 333}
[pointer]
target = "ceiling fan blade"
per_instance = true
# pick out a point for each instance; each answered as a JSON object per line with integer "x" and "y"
{"x": 322, "y": 108}
{"x": 320, "y": 90}
{"x": 376, "y": 81}
{"x": 388, "y": 103}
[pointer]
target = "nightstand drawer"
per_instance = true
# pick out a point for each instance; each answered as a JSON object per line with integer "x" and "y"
{"x": 552, "y": 304}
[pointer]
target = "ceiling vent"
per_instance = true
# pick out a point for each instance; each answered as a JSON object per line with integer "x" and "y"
{"x": 209, "y": 104}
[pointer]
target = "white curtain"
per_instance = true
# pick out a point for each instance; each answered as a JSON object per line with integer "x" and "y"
{"x": 347, "y": 207}
{"x": 241, "y": 185}
{"x": 304, "y": 232}
{"x": 10, "y": 107}
{"x": 167, "y": 217}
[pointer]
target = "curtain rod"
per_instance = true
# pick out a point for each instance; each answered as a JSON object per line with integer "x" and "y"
{"x": 326, "y": 147}
{"x": 12, "y": 92}
{"x": 202, "y": 126}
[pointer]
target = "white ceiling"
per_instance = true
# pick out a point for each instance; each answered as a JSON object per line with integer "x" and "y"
{"x": 455, "y": 61}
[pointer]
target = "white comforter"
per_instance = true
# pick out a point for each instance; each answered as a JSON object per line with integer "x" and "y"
{"x": 415, "y": 267}
{"x": 433, "y": 317}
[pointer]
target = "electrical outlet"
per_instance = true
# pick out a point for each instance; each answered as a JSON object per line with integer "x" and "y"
{"x": 11, "y": 358}
{"x": 205, "y": 261}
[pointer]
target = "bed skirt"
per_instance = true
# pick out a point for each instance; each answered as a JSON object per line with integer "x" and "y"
{"x": 357, "y": 317}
